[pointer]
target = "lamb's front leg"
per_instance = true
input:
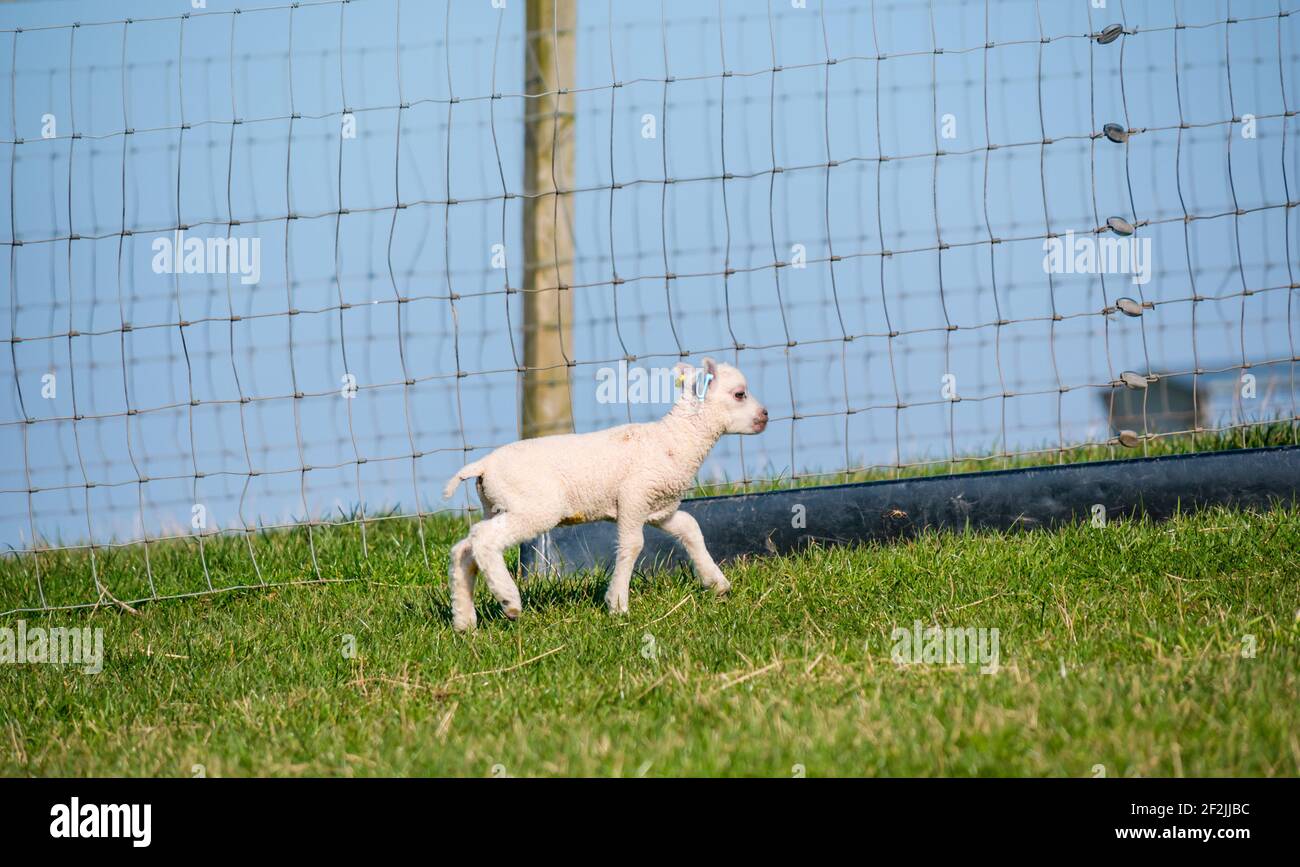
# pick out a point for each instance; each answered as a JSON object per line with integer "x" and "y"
{"x": 686, "y": 529}
{"x": 631, "y": 538}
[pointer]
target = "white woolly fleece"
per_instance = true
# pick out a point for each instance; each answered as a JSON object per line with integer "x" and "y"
{"x": 632, "y": 474}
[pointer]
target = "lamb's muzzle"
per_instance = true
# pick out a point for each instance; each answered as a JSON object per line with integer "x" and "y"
{"x": 633, "y": 475}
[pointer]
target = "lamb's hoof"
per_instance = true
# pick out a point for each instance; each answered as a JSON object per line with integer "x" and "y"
{"x": 511, "y": 611}
{"x": 616, "y": 606}
{"x": 463, "y": 624}
{"x": 720, "y": 587}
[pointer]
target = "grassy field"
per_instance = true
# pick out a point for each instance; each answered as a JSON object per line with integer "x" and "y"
{"x": 1145, "y": 649}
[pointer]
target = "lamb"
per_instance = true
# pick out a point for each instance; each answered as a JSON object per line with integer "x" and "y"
{"x": 632, "y": 474}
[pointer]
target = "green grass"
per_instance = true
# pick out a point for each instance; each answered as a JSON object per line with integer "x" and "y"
{"x": 1121, "y": 646}
{"x": 59, "y": 576}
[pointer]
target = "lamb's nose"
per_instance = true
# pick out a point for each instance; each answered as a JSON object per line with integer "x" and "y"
{"x": 763, "y": 414}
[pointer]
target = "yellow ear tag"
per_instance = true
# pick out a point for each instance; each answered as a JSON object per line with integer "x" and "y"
{"x": 681, "y": 380}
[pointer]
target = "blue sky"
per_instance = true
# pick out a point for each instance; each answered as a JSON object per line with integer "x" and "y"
{"x": 213, "y": 67}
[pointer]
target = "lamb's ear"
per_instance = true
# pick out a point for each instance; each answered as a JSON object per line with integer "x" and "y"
{"x": 710, "y": 366}
{"x": 683, "y": 375}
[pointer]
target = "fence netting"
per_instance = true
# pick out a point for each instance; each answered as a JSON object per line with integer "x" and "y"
{"x": 264, "y": 263}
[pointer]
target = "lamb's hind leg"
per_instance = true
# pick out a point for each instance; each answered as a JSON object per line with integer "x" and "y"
{"x": 488, "y": 540}
{"x": 462, "y": 571}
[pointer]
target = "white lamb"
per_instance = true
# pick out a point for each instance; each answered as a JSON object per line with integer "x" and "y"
{"x": 631, "y": 474}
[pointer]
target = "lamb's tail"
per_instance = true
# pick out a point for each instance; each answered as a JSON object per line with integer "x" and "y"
{"x": 469, "y": 471}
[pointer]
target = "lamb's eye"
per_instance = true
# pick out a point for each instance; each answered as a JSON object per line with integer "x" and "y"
{"x": 740, "y": 395}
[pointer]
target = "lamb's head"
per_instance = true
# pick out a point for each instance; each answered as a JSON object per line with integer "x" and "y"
{"x": 720, "y": 391}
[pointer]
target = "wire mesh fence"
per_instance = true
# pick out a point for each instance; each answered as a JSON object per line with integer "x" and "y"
{"x": 266, "y": 265}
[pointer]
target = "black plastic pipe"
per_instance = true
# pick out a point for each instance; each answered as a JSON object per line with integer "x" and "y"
{"x": 781, "y": 521}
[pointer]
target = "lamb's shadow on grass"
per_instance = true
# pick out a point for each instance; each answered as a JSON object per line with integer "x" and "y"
{"x": 572, "y": 592}
{"x": 537, "y": 594}
{"x": 584, "y": 591}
